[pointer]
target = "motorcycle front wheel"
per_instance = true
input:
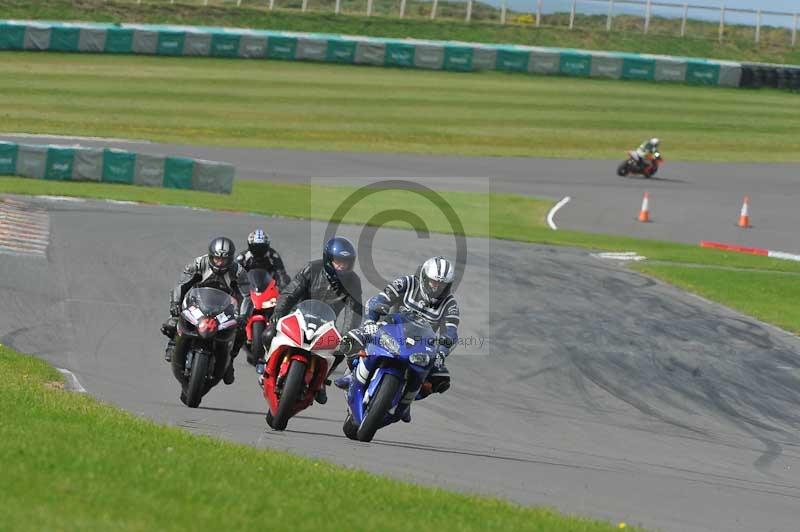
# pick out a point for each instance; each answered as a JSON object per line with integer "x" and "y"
{"x": 197, "y": 380}
{"x": 622, "y": 170}
{"x": 378, "y": 407}
{"x": 292, "y": 388}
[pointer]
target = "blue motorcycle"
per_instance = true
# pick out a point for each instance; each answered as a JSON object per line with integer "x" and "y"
{"x": 397, "y": 361}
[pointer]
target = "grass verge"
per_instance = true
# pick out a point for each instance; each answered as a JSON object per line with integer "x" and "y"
{"x": 763, "y": 291}
{"x": 296, "y": 105}
{"x": 589, "y": 33}
{"x": 770, "y": 297}
{"x": 73, "y": 463}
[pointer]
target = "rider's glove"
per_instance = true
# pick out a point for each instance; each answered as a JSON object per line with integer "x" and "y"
{"x": 273, "y": 320}
{"x": 439, "y": 362}
{"x": 369, "y": 328}
{"x": 174, "y": 311}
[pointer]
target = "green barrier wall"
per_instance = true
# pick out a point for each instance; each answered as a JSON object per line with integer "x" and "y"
{"x": 68, "y": 163}
{"x": 447, "y": 55}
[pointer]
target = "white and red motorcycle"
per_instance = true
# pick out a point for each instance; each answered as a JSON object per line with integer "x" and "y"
{"x": 297, "y": 367}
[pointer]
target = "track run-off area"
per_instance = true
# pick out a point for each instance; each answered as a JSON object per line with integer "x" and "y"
{"x": 585, "y": 386}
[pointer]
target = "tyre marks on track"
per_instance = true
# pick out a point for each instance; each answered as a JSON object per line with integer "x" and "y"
{"x": 24, "y": 228}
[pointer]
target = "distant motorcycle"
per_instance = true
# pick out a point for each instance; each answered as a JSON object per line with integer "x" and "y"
{"x": 297, "y": 368}
{"x": 646, "y": 167}
{"x": 206, "y": 331}
{"x": 396, "y": 362}
{"x": 264, "y": 295}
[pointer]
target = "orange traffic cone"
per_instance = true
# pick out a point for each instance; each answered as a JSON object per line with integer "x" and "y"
{"x": 744, "y": 216}
{"x": 644, "y": 213}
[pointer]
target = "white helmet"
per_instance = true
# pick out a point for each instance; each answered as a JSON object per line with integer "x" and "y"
{"x": 435, "y": 278}
{"x": 654, "y": 142}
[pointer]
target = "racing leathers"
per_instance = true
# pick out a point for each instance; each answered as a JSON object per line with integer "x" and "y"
{"x": 312, "y": 283}
{"x": 405, "y": 294}
{"x": 198, "y": 273}
{"x": 271, "y": 262}
{"x": 648, "y": 147}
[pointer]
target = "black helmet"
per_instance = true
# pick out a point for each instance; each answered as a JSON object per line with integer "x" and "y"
{"x": 341, "y": 251}
{"x": 221, "y": 252}
{"x": 258, "y": 243}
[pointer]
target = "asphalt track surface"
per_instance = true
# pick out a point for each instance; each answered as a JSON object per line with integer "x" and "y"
{"x": 597, "y": 390}
{"x": 689, "y": 202}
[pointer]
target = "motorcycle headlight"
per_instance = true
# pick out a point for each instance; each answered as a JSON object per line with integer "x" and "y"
{"x": 389, "y": 343}
{"x": 420, "y": 359}
{"x": 207, "y": 327}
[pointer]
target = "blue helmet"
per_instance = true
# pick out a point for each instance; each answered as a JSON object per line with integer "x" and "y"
{"x": 342, "y": 251}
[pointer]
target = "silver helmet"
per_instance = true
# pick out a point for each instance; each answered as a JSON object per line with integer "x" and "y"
{"x": 435, "y": 278}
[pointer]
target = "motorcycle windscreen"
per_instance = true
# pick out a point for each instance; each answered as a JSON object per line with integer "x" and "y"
{"x": 415, "y": 328}
{"x": 316, "y": 313}
{"x": 259, "y": 279}
{"x": 211, "y": 301}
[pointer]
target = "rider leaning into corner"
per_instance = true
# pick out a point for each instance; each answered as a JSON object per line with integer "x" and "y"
{"x": 261, "y": 255}
{"x": 428, "y": 294}
{"x": 330, "y": 280}
{"x": 216, "y": 269}
{"x": 648, "y": 147}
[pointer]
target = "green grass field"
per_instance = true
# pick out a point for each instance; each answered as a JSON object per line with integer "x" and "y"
{"x": 73, "y": 463}
{"x": 332, "y": 107}
{"x": 768, "y": 296}
{"x": 701, "y": 40}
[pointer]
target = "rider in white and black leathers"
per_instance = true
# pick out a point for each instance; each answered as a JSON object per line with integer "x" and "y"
{"x": 218, "y": 270}
{"x": 428, "y": 293}
{"x": 261, "y": 255}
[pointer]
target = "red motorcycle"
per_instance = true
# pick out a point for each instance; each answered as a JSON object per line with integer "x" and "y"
{"x": 646, "y": 167}
{"x": 297, "y": 368}
{"x": 264, "y": 294}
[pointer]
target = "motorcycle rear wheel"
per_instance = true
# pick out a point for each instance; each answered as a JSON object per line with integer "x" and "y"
{"x": 378, "y": 407}
{"x": 292, "y": 387}
{"x": 197, "y": 380}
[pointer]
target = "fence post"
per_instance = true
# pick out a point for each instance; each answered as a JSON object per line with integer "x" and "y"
{"x": 336, "y": 8}
{"x": 238, "y": 3}
{"x": 469, "y": 10}
{"x": 369, "y": 7}
{"x": 502, "y": 12}
{"x": 304, "y": 6}
{"x": 271, "y": 4}
{"x": 721, "y": 22}
{"x": 685, "y": 16}
{"x": 794, "y": 31}
{"x": 538, "y": 13}
{"x": 205, "y": 2}
{"x": 572, "y": 15}
{"x": 610, "y": 17}
{"x": 758, "y": 25}
{"x": 402, "y": 8}
{"x": 647, "y": 16}
{"x": 433, "y": 9}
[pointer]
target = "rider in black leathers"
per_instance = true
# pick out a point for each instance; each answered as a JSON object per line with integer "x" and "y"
{"x": 218, "y": 270}
{"x": 330, "y": 280}
{"x": 261, "y": 255}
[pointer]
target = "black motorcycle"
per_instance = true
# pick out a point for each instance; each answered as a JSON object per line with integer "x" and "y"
{"x": 206, "y": 333}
